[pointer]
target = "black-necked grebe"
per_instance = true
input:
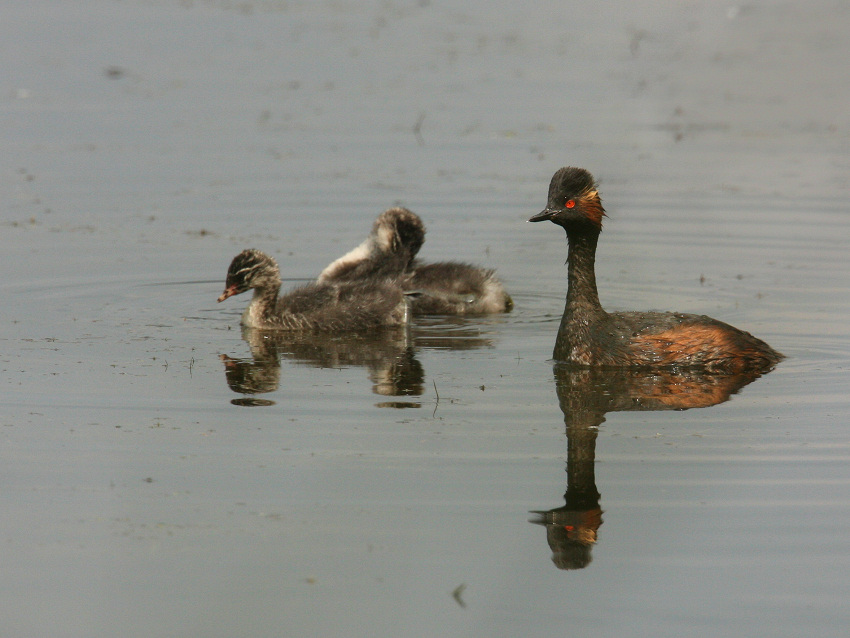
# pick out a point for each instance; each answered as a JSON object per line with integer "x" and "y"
{"x": 447, "y": 287}
{"x": 350, "y": 306}
{"x": 590, "y": 337}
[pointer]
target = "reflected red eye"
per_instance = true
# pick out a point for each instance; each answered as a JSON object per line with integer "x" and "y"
{"x": 570, "y": 203}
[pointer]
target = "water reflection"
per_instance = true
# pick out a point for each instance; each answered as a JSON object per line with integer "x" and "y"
{"x": 388, "y": 355}
{"x": 585, "y": 396}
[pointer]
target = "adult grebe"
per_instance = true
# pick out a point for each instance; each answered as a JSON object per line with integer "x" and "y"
{"x": 590, "y": 337}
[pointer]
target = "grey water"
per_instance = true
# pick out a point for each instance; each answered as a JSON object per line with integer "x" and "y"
{"x": 164, "y": 476}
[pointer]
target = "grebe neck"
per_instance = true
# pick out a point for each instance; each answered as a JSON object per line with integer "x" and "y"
{"x": 582, "y": 297}
{"x": 262, "y": 307}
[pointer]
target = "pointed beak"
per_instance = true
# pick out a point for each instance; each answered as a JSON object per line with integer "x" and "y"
{"x": 543, "y": 215}
{"x": 228, "y": 292}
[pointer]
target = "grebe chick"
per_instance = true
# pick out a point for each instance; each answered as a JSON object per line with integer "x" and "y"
{"x": 447, "y": 287}
{"x": 590, "y": 337}
{"x": 455, "y": 288}
{"x": 361, "y": 305}
{"x": 396, "y": 237}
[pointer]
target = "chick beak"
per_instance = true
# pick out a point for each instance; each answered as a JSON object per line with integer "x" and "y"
{"x": 228, "y": 292}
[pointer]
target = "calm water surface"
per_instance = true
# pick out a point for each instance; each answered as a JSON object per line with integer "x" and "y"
{"x": 165, "y": 476}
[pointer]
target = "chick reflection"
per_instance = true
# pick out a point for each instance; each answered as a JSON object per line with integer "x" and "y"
{"x": 387, "y": 354}
{"x": 585, "y": 396}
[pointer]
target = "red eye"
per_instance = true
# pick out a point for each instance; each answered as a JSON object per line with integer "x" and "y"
{"x": 570, "y": 203}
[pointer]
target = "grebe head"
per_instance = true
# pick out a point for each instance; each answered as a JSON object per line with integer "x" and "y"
{"x": 574, "y": 202}
{"x": 396, "y": 229}
{"x": 250, "y": 269}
